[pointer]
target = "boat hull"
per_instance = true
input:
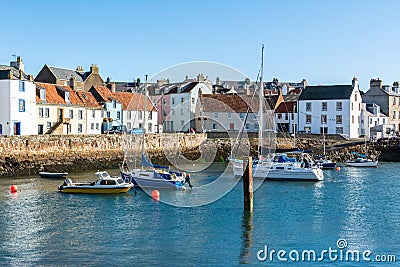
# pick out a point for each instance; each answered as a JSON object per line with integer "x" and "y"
{"x": 280, "y": 172}
{"x": 60, "y": 175}
{"x": 93, "y": 190}
{"x": 362, "y": 164}
{"x": 150, "y": 179}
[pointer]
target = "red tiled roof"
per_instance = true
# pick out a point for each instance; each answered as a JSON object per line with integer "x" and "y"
{"x": 88, "y": 99}
{"x": 133, "y": 101}
{"x": 54, "y": 94}
{"x": 286, "y": 107}
{"x": 228, "y": 103}
{"x": 105, "y": 93}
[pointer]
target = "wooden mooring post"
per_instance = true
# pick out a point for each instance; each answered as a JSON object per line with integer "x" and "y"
{"x": 248, "y": 184}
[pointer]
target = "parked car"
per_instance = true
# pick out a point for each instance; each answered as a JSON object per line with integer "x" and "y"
{"x": 135, "y": 131}
{"x": 117, "y": 129}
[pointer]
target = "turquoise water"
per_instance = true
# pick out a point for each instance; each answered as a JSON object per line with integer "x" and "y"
{"x": 40, "y": 226}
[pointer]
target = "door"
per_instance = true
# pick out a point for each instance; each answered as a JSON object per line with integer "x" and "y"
{"x": 40, "y": 129}
{"x": 60, "y": 114}
{"x": 17, "y": 128}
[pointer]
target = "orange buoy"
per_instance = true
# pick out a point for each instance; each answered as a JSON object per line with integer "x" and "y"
{"x": 338, "y": 168}
{"x": 14, "y": 189}
{"x": 155, "y": 195}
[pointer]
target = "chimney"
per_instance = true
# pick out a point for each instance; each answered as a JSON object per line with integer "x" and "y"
{"x": 375, "y": 83}
{"x": 72, "y": 83}
{"x": 30, "y": 78}
{"x": 79, "y": 69}
{"x": 20, "y": 75}
{"x": 17, "y": 64}
{"x": 110, "y": 85}
{"x": 94, "y": 69}
{"x": 355, "y": 82}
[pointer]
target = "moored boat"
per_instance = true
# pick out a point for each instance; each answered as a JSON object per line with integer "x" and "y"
{"x": 58, "y": 175}
{"x": 362, "y": 162}
{"x": 105, "y": 184}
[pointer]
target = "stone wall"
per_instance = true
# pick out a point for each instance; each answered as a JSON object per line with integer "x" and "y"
{"x": 21, "y": 155}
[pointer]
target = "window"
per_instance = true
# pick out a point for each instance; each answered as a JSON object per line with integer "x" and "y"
{"x": 42, "y": 94}
{"x": 129, "y": 125}
{"x": 308, "y": 106}
{"x": 193, "y": 100}
{"x": 21, "y": 105}
{"x": 164, "y": 101}
{"x": 256, "y": 127}
{"x": 241, "y": 115}
{"x": 114, "y": 104}
{"x": 97, "y": 126}
{"x": 173, "y": 112}
{"x": 279, "y": 116}
{"x": 339, "y": 130}
{"x": 164, "y": 112}
{"x": 394, "y": 101}
{"x": 80, "y": 114}
{"x": 324, "y": 106}
{"x": 352, "y": 104}
{"x": 383, "y": 121}
{"x": 79, "y": 128}
{"x": 323, "y": 130}
{"x": 1, "y": 129}
{"x": 48, "y": 125}
{"x": 394, "y": 114}
{"x": 173, "y": 101}
{"x": 216, "y": 115}
{"x": 229, "y": 115}
{"x": 355, "y": 96}
{"x": 307, "y": 129}
{"x": 214, "y": 126}
{"x": 21, "y": 86}
{"x": 292, "y": 116}
{"x": 140, "y": 125}
{"x": 352, "y": 118}
{"x": 182, "y": 123}
{"x": 231, "y": 126}
{"x": 338, "y": 106}
{"x": 40, "y": 129}
{"x": 308, "y": 119}
{"x": 129, "y": 115}
{"x": 182, "y": 111}
{"x": 46, "y": 112}
{"x": 118, "y": 115}
{"x": 338, "y": 119}
{"x": 140, "y": 115}
{"x": 370, "y": 121}
{"x": 102, "y": 113}
{"x": 359, "y": 106}
{"x": 286, "y": 116}
{"x": 323, "y": 119}
{"x": 93, "y": 113}
{"x": 67, "y": 97}
{"x": 247, "y": 126}
{"x": 92, "y": 126}
{"x": 150, "y": 127}
{"x": 108, "y": 114}
{"x": 40, "y": 112}
{"x": 71, "y": 114}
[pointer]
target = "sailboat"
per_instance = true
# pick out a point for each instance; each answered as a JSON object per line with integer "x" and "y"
{"x": 152, "y": 175}
{"x": 274, "y": 166}
{"x": 361, "y": 159}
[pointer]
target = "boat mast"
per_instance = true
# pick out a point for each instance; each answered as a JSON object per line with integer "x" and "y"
{"x": 260, "y": 105}
{"x": 144, "y": 117}
{"x": 323, "y": 133}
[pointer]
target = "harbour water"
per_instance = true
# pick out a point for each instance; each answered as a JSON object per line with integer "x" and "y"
{"x": 361, "y": 207}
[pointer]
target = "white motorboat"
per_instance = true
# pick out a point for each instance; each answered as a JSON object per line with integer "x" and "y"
{"x": 362, "y": 162}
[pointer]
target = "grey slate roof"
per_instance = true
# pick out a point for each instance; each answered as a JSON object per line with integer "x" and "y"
{"x": 324, "y": 92}
{"x": 64, "y": 74}
{"x": 15, "y": 72}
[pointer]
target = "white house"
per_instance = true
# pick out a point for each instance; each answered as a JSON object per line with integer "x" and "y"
{"x": 334, "y": 109}
{"x": 133, "y": 111}
{"x": 183, "y": 104}
{"x": 375, "y": 124}
{"x": 18, "y": 100}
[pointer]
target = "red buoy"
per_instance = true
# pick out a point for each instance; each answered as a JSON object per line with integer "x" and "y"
{"x": 14, "y": 189}
{"x": 155, "y": 195}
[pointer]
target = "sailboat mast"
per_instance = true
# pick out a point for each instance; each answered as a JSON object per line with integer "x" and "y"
{"x": 144, "y": 117}
{"x": 260, "y": 105}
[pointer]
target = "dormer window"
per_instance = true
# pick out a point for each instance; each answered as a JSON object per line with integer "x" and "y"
{"x": 67, "y": 97}
{"x": 42, "y": 94}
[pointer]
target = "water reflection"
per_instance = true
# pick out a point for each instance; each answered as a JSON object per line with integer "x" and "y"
{"x": 246, "y": 237}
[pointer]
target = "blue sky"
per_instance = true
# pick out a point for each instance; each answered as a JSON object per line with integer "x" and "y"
{"x": 326, "y": 42}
